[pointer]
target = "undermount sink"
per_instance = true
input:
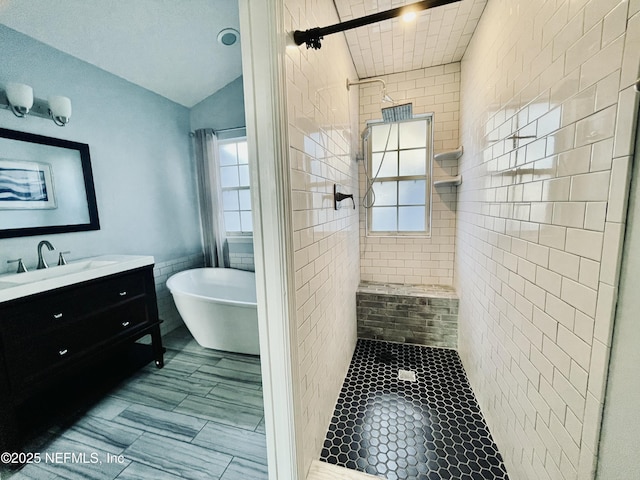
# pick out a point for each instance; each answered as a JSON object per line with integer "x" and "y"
{"x": 52, "y": 272}
{"x": 17, "y": 285}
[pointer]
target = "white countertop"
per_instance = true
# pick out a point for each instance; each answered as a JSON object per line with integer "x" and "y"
{"x": 18, "y": 285}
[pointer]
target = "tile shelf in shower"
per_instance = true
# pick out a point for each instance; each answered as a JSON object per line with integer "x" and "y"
{"x": 450, "y": 155}
{"x": 448, "y": 182}
{"x": 434, "y": 291}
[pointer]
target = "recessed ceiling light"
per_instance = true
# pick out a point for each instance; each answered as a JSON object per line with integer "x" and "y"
{"x": 228, "y": 36}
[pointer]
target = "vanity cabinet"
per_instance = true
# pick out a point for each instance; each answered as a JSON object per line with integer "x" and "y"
{"x": 46, "y": 336}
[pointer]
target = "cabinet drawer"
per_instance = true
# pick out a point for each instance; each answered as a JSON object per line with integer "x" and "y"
{"x": 30, "y": 358}
{"x": 122, "y": 320}
{"x": 44, "y": 318}
{"x": 43, "y": 352}
{"x": 114, "y": 290}
{"x": 25, "y": 317}
{"x": 54, "y": 311}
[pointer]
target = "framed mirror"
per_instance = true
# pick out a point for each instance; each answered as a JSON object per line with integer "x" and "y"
{"x": 46, "y": 186}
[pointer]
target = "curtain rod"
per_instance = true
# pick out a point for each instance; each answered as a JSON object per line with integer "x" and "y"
{"x": 191, "y": 134}
{"x": 244, "y": 127}
{"x": 313, "y": 36}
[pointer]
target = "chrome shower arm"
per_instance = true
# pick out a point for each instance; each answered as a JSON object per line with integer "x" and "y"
{"x": 385, "y": 97}
{"x": 367, "y": 80}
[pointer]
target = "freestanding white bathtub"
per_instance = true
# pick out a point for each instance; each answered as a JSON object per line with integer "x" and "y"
{"x": 218, "y": 305}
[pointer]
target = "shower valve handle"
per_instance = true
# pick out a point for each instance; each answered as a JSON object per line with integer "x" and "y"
{"x": 342, "y": 196}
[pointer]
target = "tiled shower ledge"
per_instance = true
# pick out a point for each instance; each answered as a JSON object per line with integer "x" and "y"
{"x": 431, "y": 291}
{"x": 417, "y": 314}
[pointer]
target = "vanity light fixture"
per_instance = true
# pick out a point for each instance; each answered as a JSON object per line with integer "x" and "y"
{"x": 60, "y": 109}
{"x": 19, "y": 98}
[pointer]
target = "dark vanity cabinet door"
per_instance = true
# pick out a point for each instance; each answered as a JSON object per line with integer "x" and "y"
{"x": 48, "y": 335}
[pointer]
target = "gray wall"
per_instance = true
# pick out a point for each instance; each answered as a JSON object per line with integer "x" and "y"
{"x": 224, "y": 109}
{"x": 140, "y": 154}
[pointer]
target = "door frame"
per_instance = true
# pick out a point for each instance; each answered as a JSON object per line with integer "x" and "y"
{"x": 263, "y": 49}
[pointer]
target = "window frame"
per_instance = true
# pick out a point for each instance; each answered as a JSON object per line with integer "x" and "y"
{"x": 428, "y": 177}
{"x": 234, "y": 233}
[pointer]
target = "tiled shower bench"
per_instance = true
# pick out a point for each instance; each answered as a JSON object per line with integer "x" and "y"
{"x": 417, "y": 314}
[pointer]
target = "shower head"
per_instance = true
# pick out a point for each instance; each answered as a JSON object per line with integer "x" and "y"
{"x": 397, "y": 113}
{"x": 387, "y": 99}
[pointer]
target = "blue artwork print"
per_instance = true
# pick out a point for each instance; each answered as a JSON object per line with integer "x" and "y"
{"x": 26, "y": 184}
{"x": 21, "y": 185}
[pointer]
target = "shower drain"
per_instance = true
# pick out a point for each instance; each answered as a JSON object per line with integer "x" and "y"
{"x": 407, "y": 375}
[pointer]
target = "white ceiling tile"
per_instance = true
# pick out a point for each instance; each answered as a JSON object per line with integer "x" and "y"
{"x": 438, "y": 35}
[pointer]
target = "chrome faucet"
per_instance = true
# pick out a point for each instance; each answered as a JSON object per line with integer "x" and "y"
{"x": 42, "y": 263}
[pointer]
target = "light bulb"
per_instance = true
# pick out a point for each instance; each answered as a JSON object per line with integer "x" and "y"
{"x": 20, "y": 98}
{"x": 409, "y": 16}
{"x": 60, "y": 109}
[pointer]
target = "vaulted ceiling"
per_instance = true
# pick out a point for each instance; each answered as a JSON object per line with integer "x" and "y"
{"x": 170, "y": 47}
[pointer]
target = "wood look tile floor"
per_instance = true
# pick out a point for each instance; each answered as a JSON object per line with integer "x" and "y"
{"x": 199, "y": 417}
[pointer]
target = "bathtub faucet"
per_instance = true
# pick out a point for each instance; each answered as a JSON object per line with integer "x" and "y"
{"x": 42, "y": 263}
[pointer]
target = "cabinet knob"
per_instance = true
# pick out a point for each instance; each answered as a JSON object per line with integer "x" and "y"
{"x": 62, "y": 353}
{"x": 122, "y": 294}
{"x": 125, "y": 324}
{"x": 57, "y": 315}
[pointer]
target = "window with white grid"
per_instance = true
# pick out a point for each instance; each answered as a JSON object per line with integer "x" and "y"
{"x": 234, "y": 180}
{"x": 400, "y": 159}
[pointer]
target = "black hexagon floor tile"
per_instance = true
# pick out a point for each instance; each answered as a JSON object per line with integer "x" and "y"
{"x": 428, "y": 429}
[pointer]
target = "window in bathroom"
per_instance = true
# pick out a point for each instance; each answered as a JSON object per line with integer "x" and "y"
{"x": 399, "y": 163}
{"x": 234, "y": 180}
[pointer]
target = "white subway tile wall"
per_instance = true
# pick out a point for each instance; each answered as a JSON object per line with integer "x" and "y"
{"x": 323, "y": 122}
{"x": 161, "y": 272}
{"x": 541, "y": 221}
{"x": 421, "y": 261}
{"x": 242, "y": 261}
{"x": 240, "y": 251}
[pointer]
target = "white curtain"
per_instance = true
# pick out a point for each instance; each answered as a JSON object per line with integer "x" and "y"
{"x": 210, "y": 198}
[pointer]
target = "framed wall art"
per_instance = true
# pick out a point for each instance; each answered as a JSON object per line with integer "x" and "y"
{"x": 26, "y": 185}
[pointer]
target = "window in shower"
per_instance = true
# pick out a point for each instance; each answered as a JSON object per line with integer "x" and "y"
{"x": 399, "y": 165}
{"x": 234, "y": 180}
